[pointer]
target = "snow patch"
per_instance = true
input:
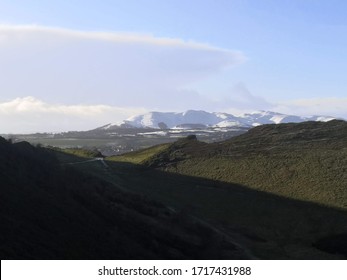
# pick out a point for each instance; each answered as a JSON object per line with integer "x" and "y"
{"x": 183, "y": 121}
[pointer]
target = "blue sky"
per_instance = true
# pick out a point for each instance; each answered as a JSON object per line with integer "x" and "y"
{"x": 77, "y": 64}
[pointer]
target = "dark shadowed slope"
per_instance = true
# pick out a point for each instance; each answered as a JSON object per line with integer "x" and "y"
{"x": 50, "y": 211}
{"x": 269, "y": 226}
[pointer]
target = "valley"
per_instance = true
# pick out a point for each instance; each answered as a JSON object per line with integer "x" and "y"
{"x": 277, "y": 191}
{"x": 122, "y": 140}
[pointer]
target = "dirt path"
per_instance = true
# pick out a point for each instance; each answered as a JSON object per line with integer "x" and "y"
{"x": 90, "y": 160}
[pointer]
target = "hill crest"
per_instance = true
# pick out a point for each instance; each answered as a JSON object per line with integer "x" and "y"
{"x": 191, "y": 118}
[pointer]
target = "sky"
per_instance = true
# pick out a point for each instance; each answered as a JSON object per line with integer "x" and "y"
{"x": 76, "y": 65}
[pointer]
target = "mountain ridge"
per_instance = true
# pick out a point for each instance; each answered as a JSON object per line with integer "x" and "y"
{"x": 191, "y": 118}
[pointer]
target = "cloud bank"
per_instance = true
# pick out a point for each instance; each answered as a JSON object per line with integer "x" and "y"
{"x": 330, "y": 106}
{"x": 54, "y": 79}
{"x": 119, "y": 69}
{"x": 30, "y": 115}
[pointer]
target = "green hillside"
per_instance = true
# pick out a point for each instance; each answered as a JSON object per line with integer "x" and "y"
{"x": 279, "y": 189}
{"x": 306, "y": 161}
{"x": 140, "y": 156}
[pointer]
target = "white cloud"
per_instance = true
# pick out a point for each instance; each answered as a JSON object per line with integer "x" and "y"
{"x": 120, "y": 69}
{"x": 28, "y": 115}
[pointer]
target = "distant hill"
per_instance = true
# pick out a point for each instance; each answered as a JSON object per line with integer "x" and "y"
{"x": 144, "y": 131}
{"x": 202, "y": 119}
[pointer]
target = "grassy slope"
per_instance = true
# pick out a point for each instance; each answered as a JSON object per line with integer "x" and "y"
{"x": 140, "y": 156}
{"x": 82, "y": 153}
{"x": 305, "y": 162}
{"x": 271, "y": 226}
{"x": 301, "y": 161}
{"x": 304, "y": 176}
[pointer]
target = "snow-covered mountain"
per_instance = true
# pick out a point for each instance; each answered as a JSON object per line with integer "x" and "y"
{"x": 201, "y": 119}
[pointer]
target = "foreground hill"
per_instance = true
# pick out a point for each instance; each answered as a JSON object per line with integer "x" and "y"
{"x": 306, "y": 161}
{"x": 281, "y": 190}
{"x": 54, "y": 211}
{"x": 275, "y": 192}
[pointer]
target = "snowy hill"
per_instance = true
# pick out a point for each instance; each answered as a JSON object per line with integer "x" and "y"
{"x": 193, "y": 118}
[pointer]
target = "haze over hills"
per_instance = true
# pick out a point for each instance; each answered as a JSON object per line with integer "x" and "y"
{"x": 143, "y": 131}
{"x": 203, "y": 119}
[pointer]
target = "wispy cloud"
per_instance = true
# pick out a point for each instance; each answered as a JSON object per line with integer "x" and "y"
{"x": 331, "y": 106}
{"x": 21, "y": 31}
{"x": 28, "y": 115}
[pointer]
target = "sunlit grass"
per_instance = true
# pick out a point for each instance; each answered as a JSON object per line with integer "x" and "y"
{"x": 140, "y": 156}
